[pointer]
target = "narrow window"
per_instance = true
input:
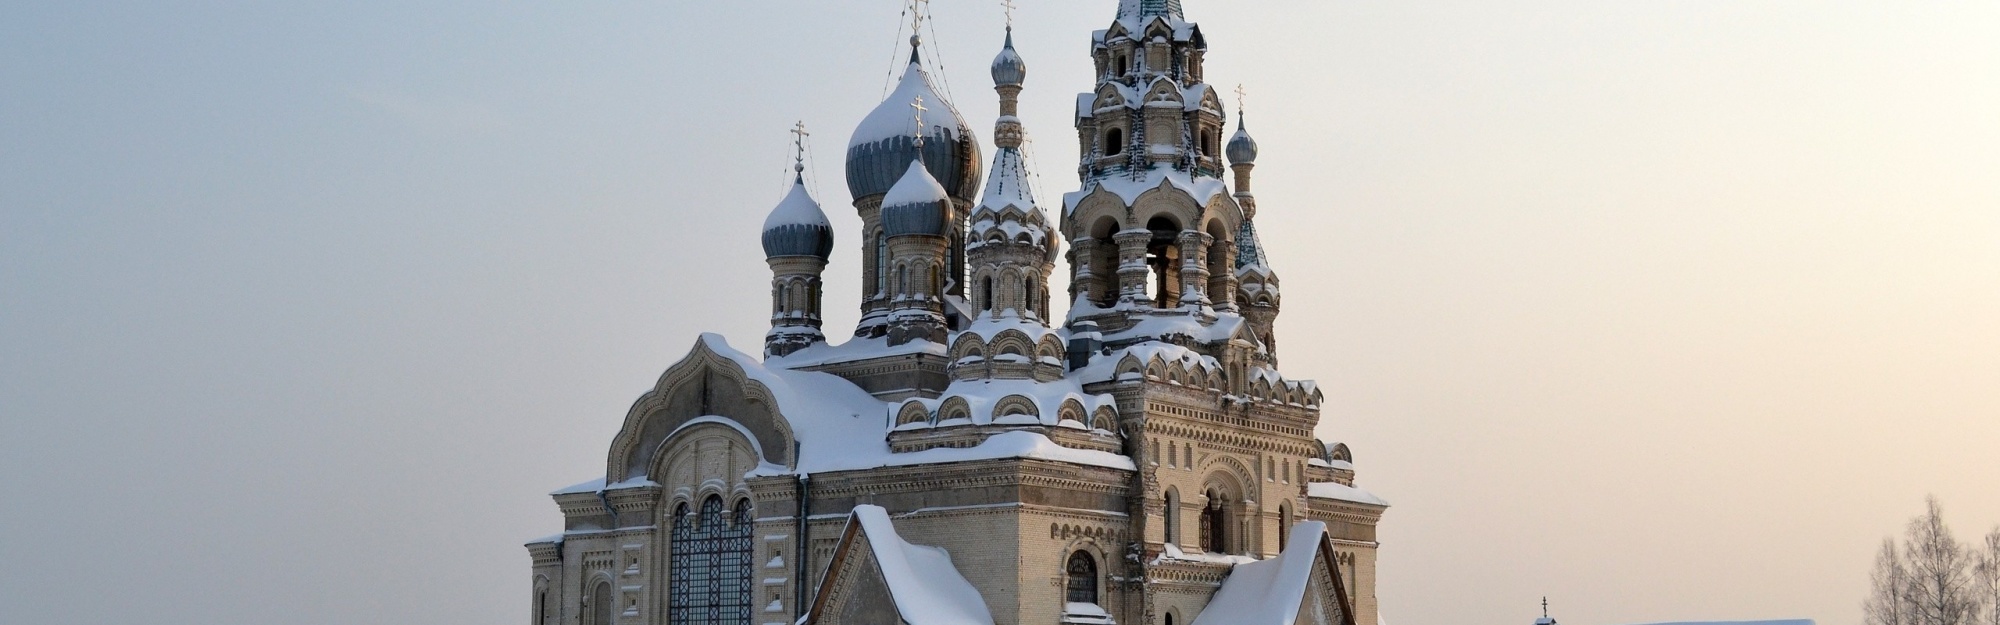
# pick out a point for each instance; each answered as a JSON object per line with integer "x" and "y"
{"x": 1082, "y": 578}
{"x": 1284, "y": 525}
{"x": 1173, "y": 523}
{"x": 986, "y": 293}
{"x": 881, "y": 264}
{"x": 902, "y": 280}
{"x": 1114, "y": 142}
{"x": 1215, "y": 524}
{"x": 597, "y": 607}
{"x": 1170, "y": 619}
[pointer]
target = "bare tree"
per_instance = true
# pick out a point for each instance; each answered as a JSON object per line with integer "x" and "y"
{"x": 1940, "y": 585}
{"x": 1986, "y": 579}
{"x": 1889, "y": 598}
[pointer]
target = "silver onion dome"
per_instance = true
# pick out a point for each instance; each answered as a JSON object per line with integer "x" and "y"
{"x": 797, "y": 227}
{"x": 1242, "y": 149}
{"x": 1008, "y": 68}
{"x": 917, "y": 204}
{"x": 885, "y": 142}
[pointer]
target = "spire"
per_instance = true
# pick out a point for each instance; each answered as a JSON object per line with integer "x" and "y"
{"x": 1011, "y": 243}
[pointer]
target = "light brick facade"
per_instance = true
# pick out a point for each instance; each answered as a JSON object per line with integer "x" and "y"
{"x": 1152, "y": 431}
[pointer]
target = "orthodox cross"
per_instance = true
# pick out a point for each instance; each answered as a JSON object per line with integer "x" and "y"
{"x": 917, "y": 14}
{"x": 1239, "y": 99}
{"x": 799, "y": 135}
{"x": 1009, "y": 6}
{"x": 919, "y": 106}
{"x": 1545, "y": 607}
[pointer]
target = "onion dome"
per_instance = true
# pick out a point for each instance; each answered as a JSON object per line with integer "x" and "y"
{"x": 885, "y": 142}
{"x": 1242, "y": 150}
{"x": 1008, "y": 68}
{"x": 916, "y": 205}
{"x": 797, "y": 227}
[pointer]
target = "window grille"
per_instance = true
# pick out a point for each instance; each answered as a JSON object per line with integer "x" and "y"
{"x": 710, "y": 573}
{"x": 1082, "y": 578}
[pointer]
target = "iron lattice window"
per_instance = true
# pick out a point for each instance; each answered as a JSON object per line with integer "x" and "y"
{"x": 710, "y": 571}
{"x": 1082, "y": 578}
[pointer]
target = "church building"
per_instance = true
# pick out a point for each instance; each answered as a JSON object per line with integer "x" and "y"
{"x": 973, "y": 455}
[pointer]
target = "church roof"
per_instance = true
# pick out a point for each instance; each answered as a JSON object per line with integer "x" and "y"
{"x": 925, "y": 586}
{"x": 885, "y": 142}
{"x": 797, "y": 227}
{"x": 1271, "y": 591}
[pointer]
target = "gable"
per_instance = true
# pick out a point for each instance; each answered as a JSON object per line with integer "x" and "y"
{"x": 703, "y": 384}
{"x": 877, "y": 578}
{"x": 1299, "y": 586}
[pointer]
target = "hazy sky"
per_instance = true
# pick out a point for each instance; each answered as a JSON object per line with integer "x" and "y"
{"x": 1667, "y": 310}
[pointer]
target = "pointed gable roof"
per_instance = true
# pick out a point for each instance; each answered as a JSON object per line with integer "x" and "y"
{"x": 920, "y": 580}
{"x": 1275, "y": 590}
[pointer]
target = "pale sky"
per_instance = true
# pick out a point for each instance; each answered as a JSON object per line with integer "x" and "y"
{"x": 1666, "y": 310}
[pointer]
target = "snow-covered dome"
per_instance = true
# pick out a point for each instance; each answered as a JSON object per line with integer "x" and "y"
{"x": 1008, "y": 68}
{"x": 1242, "y": 149}
{"x": 916, "y": 205}
{"x": 797, "y": 227}
{"x": 885, "y": 142}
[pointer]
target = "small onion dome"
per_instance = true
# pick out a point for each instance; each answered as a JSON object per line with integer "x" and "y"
{"x": 1242, "y": 149}
{"x": 885, "y": 142}
{"x": 1008, "y": 68}
{"x": 916, "y": 205}
{"x": 797, "y": 227}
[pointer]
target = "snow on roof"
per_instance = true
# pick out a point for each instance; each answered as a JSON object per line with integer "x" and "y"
{"x": 1128, "y": 187}
{"x": 1269, "y": 591}
{"x": 1019, "y": 444}
{"x": 598, "y": 485}
{"x": 980, "y": 397}
{"x": 853, "y": 350}
{"x": 917, "y": 186}
{"x": 927, "y": 588}
{"x": 894, "y": 118}
{"x": 1009, "y": 184}
{"x": 1343, "y": 492}
{"x": 797, "y": 209}
{"x": 842, "y": 428}
{"x": 837, "y": 424}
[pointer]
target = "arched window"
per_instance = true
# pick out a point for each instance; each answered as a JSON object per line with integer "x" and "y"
{"x": 986, "y": 293}
{"x": 902, "y": 280}
{"x": 709, "y": 578}
{"x": 1169, "y": 619}
{"x": 1031, "y": 297}
{"x": 1173, "y": 517}
{"x": 1163, "y": 256}
{"x": 541, "y": 606}
{"x": 1114, "y": 142}
{"x": 1215, "y": 524}
{"x": 1173, "y": 455}
{"x": 598, "y": 607}
{"x": 1124, "y": 65}
{"x": 1082, "y": 578}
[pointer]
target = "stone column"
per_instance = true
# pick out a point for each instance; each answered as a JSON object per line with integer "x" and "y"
{"x": 1194, "y": 268}
{"x": 1132, "y": 271}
